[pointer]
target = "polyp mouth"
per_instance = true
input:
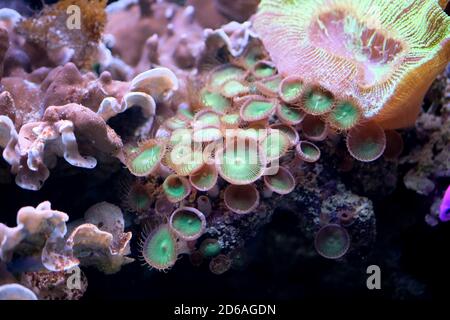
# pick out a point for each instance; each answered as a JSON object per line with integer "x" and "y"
{"x": 342, "y": 34}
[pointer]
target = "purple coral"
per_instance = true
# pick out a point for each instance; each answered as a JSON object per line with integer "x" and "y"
{"x": 444, "y": 209}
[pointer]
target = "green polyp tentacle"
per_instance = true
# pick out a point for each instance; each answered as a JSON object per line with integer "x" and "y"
{"x": 345, "y": 115}
{"x": 159, "y": 249}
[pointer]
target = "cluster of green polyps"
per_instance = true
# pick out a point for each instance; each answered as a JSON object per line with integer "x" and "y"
{"x": 245, "y": 129}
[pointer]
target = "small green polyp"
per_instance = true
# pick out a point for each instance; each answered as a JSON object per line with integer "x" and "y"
{"x": 207, "y": 119}
{"x": 368, "y": 149}
{"x": 263, "y": 70}
{"x": 145, "y": 162}
{"x": 203, "y": 180}
{"x": 207, "y": 134}
{"x": 186, "y": 113}
{"x": 252, "y": 57}
{"x": 234, "y": 88}
{"x": 273, "y": 84}
{"x": 230, "y": 119}
{"x": 175, "y": 189}
{"x": 187, "y": 223}
{"x": 317, "y": 102}
{"x": 332, "y": 241}
{"x": 290, "y": 114}
{"x": 291, "y": 91}
{"x": 344, "y": 116}
{"x": 214, "y": 101}
{"x": 210, "y": 248}
{"x": 278, "y": 183}
{"x": 257, "y": 109}
{"x": 222, "y": 75}
{"x": 282, "y": 182}
{"x": 241, "y": 166}
{"x": 175, "y": 123}
{"x": 309, "y": 151}
{"x": 160, "y": 249}
{"x": 275, "y": 145}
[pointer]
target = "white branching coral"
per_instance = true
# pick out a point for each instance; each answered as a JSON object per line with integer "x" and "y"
{"x": 99, "y": 241}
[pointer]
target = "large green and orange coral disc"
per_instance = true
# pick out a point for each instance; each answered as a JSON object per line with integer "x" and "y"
{"x": 384, "y": 53}
{"x": 144, "y": 160}
{"x": 240, "y": 162}
{"x": 159, "y": 249}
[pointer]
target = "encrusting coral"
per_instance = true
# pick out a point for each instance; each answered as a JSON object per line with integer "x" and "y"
{"x": 49, "y": 32}
{"x": 61, "y": 106}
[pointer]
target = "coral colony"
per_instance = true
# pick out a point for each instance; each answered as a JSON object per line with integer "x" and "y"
{"x": 217, "y": 113}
